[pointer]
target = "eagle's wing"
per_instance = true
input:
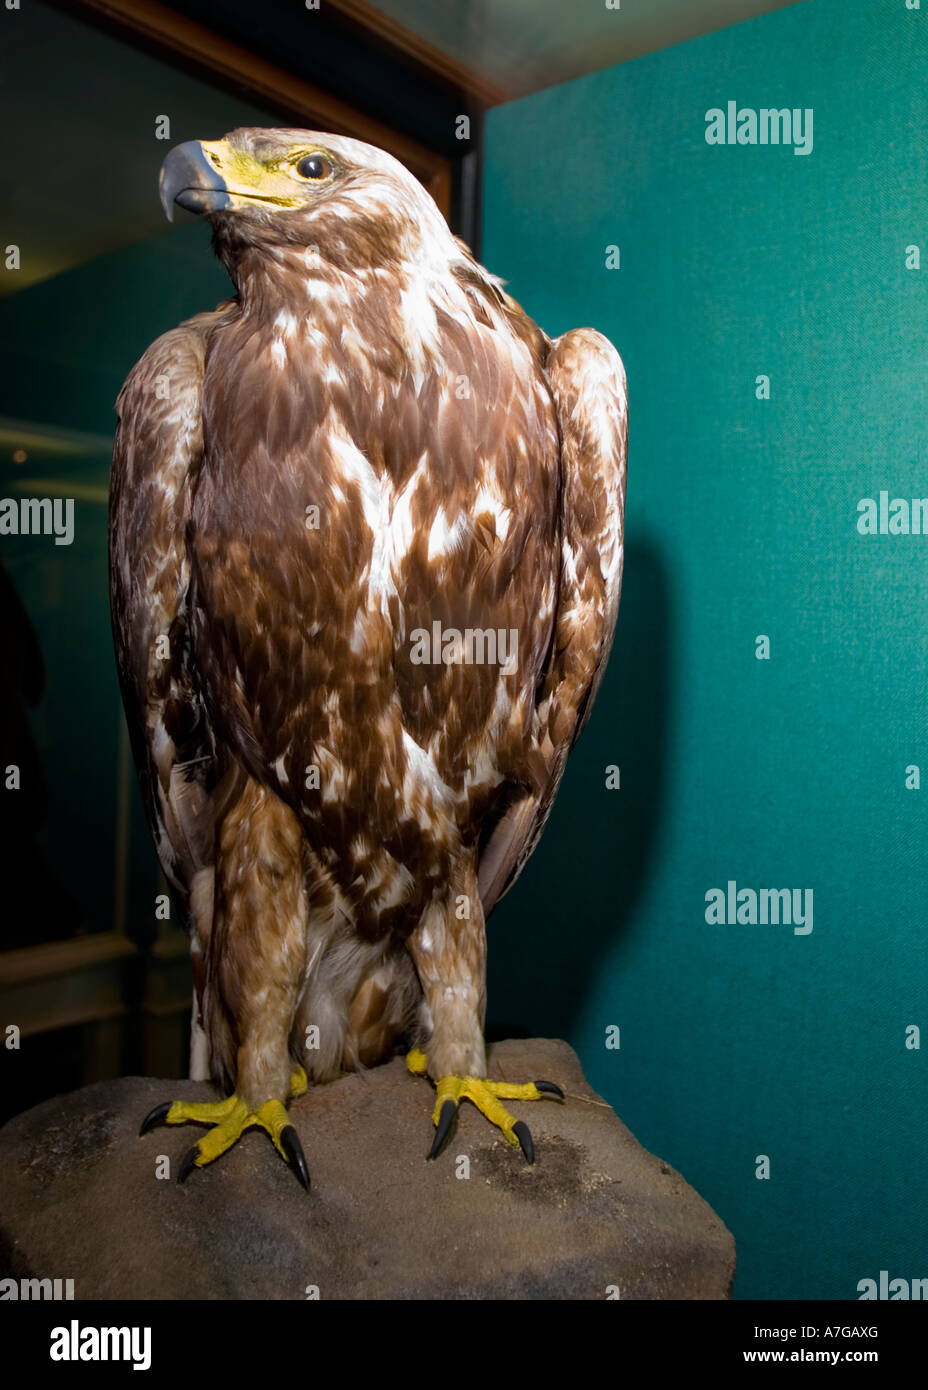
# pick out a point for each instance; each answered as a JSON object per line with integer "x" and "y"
{"x": 156, "y": 459}
{"x": 587, "y": 381}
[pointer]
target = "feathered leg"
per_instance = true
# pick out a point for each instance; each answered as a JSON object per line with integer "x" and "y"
{"x": 449, "y": 951}
{"x": 254, "y": 972}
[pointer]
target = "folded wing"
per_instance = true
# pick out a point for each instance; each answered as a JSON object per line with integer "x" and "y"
{"x": 156, "y": 459}
{"x": 587, "y": 380}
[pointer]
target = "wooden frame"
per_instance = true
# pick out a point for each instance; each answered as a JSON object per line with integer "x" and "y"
{"x": 88, "y": 972}
{"x": 274, "y": 86}
{"x": 423, "y": 54}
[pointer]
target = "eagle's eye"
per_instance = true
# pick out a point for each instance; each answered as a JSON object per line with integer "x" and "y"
{"x": 315, "y": 167}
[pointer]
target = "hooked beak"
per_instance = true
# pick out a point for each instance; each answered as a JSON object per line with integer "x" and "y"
{"x": 190, "y": 180}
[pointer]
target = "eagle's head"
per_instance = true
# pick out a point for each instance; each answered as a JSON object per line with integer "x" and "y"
{"x": 284, "y": 192}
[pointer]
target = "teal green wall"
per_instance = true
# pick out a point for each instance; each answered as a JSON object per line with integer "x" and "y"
{"x": 739, "y": 1041}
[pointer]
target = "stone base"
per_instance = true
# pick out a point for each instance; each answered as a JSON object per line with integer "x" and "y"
{"x": 81, "y": 1199}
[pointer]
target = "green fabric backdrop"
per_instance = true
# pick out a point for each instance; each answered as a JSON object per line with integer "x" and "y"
{"x": 746, "y": 1040}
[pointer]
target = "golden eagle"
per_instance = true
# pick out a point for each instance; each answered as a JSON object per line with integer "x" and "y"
{"x": 365, "y": 555}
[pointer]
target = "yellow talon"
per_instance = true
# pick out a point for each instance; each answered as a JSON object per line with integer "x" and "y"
{"x": 487, "y": 1096}
{"x": 229, "y": 1119}
{"x": 273, "y": 1118}
{"x": 200, "y": 1112}
{"x": 224, "y": 1134}
{"x": 416, "y": 1061}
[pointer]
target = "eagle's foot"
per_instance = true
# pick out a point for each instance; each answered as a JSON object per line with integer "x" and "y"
{"x": 486, "y": 1095}
{"x": 230, "y": 1118}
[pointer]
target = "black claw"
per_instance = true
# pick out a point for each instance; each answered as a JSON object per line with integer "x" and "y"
{"x": 550, "y": 1089}
{"x": 445, "y": 1119}
{"x": 188, "y": 1163}
{"x": 155, "y": 1117}
{"x": 521, "y": 1130}
{"x": 290, "y": 1143}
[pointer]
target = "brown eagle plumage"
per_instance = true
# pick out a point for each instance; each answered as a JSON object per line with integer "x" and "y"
{"x": 366, "y": 553}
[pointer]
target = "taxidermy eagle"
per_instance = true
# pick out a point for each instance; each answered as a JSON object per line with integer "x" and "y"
{"x": 365, "y": 555}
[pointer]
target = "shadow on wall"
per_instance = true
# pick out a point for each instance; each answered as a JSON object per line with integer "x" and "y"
{"x": 551, "y": 938}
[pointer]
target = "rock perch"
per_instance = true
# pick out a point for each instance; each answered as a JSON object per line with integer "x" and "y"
{"x": 81, "y": 1199}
